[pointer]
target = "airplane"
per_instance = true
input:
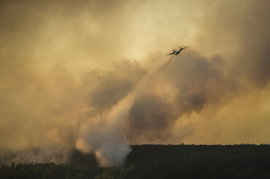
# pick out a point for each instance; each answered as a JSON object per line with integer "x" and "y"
{"x": 176, "y": 52}
{"x": 173, "y": 52}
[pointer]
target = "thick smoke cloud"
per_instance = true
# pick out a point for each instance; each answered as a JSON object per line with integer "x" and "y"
{"x": 64, "y": 83}
{"x": 107, "y": 88}
{"x": 149, "y": 116}
{"x": 241, "y": 36}
{"x": 194, "y": 83}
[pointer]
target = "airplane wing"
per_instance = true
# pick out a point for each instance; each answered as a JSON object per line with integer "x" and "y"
{"x": 185, "y": 47}
{"x": 170, "y": 53}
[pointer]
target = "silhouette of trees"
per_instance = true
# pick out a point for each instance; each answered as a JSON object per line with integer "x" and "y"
{"x": 200, "y": 161}
{"x": 157, "y": 161}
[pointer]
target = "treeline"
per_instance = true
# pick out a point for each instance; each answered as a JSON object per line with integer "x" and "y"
{"x": 200, "y": 161}
{"x": 48, "y": 170}
{"x": 158, "y": 161}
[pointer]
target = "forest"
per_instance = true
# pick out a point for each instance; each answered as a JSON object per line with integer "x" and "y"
{"x": 157, "y": 162}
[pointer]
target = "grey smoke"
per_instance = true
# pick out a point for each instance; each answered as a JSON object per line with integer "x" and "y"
{"x": 148, "y": 117}
{"x": 197, "y": 81}
{"x": 107, "y": 87}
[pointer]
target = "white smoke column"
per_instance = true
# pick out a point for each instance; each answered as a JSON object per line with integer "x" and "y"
{"x": 104, "y": 136}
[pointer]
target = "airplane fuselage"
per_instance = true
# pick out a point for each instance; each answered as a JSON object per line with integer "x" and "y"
{"x": 177, "y": 52}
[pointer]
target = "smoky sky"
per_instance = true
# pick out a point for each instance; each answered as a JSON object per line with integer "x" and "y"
{"x": 67, "y": 65}
{"x": 243, "y": 31}
{"x": 197, "y": 82}
{"x": 106, "y": 88}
